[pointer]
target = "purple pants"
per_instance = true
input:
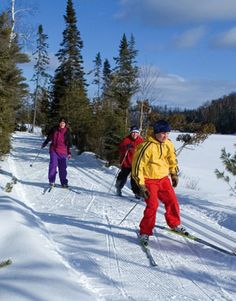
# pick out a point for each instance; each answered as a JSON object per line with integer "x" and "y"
{"x": 57, "y": 160}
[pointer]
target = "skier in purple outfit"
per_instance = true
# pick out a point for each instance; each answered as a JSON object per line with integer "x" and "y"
{"x": 61, "y": 142}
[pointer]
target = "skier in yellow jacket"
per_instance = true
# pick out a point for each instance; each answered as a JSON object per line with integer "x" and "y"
{"x": 154, "y": 161}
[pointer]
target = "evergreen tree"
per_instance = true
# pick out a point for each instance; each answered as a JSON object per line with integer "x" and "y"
{"x": 70, "y": 71}
{"x": 97, "y": 73}
{"x": 69, "y": 95}
{"x": 229, "y": 162}
{"x": 12, "y": 86}
{"x": 107, "y": 95}
{"x": 43, "y": 115}
{"x": 112, "y": 112}
{"x": 125, "y": 83}
{"x": 107, "y": 80}
{"x": 118, "y": 88}
{"x": 41, "y": 77}
{"x": 106, "y": 74}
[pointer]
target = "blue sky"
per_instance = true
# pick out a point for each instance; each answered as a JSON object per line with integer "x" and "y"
{"x": 189, "y": 45}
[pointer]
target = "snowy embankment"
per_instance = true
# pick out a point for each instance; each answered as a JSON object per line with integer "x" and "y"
{"x": 68, "y": 244}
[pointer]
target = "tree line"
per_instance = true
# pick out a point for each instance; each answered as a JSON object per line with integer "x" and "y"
{"x": 219, "y": 112}
{"x": 97, "y": 123}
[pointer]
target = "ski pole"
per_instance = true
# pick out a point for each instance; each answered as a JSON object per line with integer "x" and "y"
{"x": 113, "y": 180}
{"x": 31, "y": 164}
{"x": 118, "y": 170}
{"x": 129, "y": 212}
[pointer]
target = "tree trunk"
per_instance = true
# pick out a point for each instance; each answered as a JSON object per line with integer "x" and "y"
{"x": 141, "y": 116}
{"x": 35, "y": 106}
{"x": 12, "y": 34}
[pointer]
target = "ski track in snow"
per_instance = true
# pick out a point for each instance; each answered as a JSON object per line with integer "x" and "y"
{"x": 203, "y": 293}
{"x": 84, "y": 229}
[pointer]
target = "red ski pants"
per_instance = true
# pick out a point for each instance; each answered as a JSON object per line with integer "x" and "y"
{"x": 160, "y": 190}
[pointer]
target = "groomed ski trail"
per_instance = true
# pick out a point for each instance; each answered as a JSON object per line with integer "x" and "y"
{"x": 84, "y": 229}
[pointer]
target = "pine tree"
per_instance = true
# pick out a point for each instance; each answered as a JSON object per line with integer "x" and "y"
{"x": 12, "y": 86}
{"x": 70, "y": 71}
{"x": 113, "y": 123}
{"x": 97, "y": 73}
{"x": 112, "y": 112}
{"x": 125, "y": 83}
{"x": 229, "y": 162}
{"x": 106, "y": 78}
{"x": 118, "y": 88}
{"x": 69, "y": 95}
{"x": 41, "y": 77}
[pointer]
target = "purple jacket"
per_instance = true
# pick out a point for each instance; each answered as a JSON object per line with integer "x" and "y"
{"x": 61, "y": 141}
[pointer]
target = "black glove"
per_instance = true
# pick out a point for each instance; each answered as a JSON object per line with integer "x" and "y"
{"x": 174, "y": 179}
{"x": 144, "y": 193}
{"x": 129, "y": 146}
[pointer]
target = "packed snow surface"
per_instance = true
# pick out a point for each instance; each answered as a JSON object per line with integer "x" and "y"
{"x": 68, "y": 244}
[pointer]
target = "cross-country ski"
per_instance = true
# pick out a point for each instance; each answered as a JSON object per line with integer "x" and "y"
{"x": 146, "y": 248}
{"x": 199, "y": 240}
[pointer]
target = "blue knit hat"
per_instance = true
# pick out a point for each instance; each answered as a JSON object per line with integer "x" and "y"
{"x": 161, "y": 126}
{"x": 134, "y": 129}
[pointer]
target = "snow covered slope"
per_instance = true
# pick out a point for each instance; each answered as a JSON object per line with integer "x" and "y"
{"x": 68, "y": 244}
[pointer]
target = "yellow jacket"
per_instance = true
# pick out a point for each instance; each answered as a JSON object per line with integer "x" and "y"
{"x": 153, "y": 160}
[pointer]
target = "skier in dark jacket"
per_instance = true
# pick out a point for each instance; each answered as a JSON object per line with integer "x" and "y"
{"x": 60, "y": 149}
{"x": 126, "y": 150}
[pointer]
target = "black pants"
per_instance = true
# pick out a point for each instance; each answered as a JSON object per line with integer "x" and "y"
{"x": 122, "y": 178}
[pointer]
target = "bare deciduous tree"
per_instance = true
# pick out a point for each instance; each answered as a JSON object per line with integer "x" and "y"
{"x": 25, "y": 32}
{"x": 148, "y": 91}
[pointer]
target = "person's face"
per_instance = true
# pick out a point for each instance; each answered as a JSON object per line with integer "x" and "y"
{"x": 162, "y": 137}
{"x": 62, "y": 124}
{"x": 134, "y": 135}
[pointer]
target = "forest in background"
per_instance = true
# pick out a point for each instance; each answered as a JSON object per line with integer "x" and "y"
{"x": 123, "y": 92}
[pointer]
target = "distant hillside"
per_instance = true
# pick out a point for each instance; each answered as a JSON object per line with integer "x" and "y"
{"x": 216, "y": 116}
{"x": 220, "y": 112}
